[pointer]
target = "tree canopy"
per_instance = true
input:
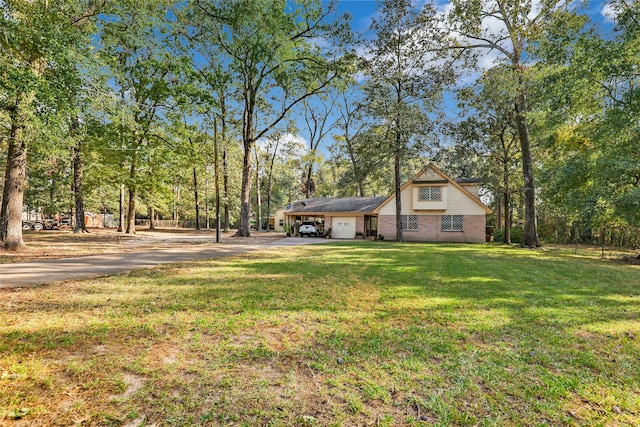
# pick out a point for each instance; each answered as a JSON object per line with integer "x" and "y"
{"x": 173, "y": 109}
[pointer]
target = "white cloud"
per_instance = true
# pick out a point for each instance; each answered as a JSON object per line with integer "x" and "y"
{"x": 609, "y": 13}
{"x": 289, "y": 144}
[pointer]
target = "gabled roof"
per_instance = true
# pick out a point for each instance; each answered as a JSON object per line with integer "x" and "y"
{"x": 342, "y": 205}
{"x": 371, "y": 205}
{"x": 444, "y": 178}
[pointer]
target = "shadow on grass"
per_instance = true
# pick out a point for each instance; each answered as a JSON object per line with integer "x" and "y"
{"x": 465, "y": 332}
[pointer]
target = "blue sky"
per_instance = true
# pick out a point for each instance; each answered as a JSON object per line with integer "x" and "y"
{"x": 362, "y": 11}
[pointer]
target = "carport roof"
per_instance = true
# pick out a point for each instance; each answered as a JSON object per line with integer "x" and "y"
{"x": 342, "y": 205}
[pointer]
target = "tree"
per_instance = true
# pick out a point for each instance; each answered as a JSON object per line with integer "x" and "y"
{"x": 136, "y": 50}
{"x": 593, "y": 175}
{"x": 522, "y": 26}
{"x": 271, "y": 51}
{"x": 356, "y": 154}
{"x": 492, "y": 133}
{"x": 320, "y": 121}
{"x": 38, "y": 41}
{"x": 78, "y": 175}
{"x": 405, "y": 77}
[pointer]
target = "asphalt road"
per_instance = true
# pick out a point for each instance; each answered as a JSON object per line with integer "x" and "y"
{"x": 50, "y": 271}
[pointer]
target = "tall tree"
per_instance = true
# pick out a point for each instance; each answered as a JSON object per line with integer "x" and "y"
{"x": 272, "y": 51}
{"x": 491, "y": 132}
{"x": 136, "y": 49}
{"x": 521, "y": 26}
{"x": 356, "y": 155}
{"x": 405, "y": 76}
{"x": 38, "y": 41}
{"x": 78, "y": 178}
{"x": 318, "y": 116}
{"x": 593, "y": 175}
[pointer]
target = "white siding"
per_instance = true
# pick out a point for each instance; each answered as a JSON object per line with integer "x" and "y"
{"x": 389, "y": 208}
{"x": 458, "y": 203}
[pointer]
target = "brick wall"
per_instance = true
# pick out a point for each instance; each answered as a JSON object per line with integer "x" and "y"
{"x": 360, "y": 224}
{"x": 429, "y": 229}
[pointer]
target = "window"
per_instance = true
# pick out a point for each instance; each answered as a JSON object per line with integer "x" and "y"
{"x": 452, "y": 223}
{"x": 429, "y": 193}
{"x": 409, "y": 222}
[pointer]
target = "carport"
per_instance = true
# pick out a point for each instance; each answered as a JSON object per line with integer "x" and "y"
{"x": 344, "y": 218}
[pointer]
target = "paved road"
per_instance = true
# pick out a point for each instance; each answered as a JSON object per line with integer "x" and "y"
{"x": 49, "y": 271}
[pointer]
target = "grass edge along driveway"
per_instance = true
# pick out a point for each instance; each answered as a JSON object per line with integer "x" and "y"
{"x": 353, "y": 333}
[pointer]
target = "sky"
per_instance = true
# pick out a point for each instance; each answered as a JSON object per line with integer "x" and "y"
{"x": 362, "y": 11}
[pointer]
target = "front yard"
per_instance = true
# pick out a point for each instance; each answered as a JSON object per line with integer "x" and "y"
{"x": 351, "y": 333}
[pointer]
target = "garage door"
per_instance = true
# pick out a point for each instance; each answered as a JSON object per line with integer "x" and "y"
{"x": 343, "y": 227}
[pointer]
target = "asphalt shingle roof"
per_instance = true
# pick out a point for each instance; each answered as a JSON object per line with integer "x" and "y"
{"x": 346, "y": 205}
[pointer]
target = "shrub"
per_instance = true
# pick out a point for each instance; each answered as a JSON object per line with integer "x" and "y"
{"x": 516, "y": 235}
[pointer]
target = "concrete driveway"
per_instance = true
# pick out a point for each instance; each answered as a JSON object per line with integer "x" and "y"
{"x": 49, "y": 271}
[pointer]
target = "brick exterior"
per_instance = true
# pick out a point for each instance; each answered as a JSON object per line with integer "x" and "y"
{"x": 360, "y": 224}
{"x": 429, "y": 229}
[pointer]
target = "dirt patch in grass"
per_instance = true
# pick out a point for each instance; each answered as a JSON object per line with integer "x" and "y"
{"x": 52, "y": 244}
{"x": 360, "y": 333}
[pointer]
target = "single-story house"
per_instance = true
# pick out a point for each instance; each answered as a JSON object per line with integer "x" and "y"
{"x": 435, "y": 207}
{"x": 277, "y": 221}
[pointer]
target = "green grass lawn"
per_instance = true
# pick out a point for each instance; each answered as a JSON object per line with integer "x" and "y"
{"x": 354, "y": 333}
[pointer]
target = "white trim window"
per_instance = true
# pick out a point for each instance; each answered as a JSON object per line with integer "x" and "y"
{"x": 452, "y": 223}
{"x": 409, "y": 222}
{"x": 426, "y": 194}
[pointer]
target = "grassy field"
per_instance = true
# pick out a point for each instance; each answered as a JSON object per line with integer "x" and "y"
{"x": 354, "y": 333}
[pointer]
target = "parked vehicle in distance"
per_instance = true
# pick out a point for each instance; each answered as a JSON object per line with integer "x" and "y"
{"x": 310, "y": 228}
{"x": 45, "y": 224}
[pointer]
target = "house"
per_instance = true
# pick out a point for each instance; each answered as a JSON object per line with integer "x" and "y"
{"x": 435, "y": 207}
{"x": 276, "y": 222}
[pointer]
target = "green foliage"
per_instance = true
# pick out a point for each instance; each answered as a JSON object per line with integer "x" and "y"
{"x": 516, "y": 234}
{"x": 268, "y": 53}
{"x": 592, "y": 168}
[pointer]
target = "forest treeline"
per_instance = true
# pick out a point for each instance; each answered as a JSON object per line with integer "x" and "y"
{"x": 165, "y": 109}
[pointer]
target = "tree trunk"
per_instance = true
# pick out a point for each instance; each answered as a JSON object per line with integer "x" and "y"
{"x": 225, "y": 169}
{"x": 507, "y": 204}
{"x": 269, "y": 181}
{"x": 131, "y": 213}
{"x": 152, "y": 219}
{"x": 245, "y": 198}
{"x": 507, "y": 218}
{"x": 225, "y": 189}
{"x": 176, "y": 200}
{"x": 530, "y": 238}
{"x": 307, "y": 184}
{"x": 78, "y": 195}
{"x": 499, "y": 214}
{"x": 247, "y": 142}
{"x": 396, "y": 169}
{"x": 216, "y": 181}
{"x": 195, "y": 195}
{"x": 121, "y": 212}
{"x": 207, "y": 223}
{"x": 258, "y": 195}
{"x": 14, "y": 180}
